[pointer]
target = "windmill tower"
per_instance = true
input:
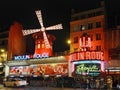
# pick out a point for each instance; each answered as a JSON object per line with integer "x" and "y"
{"x": 43, "y": 41}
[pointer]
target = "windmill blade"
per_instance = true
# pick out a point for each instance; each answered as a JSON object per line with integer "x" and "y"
{"x": 47, "y": 44}
{"x": 30, "y": 31}
{"x": 55, "y": 27}
{"x": 39, "y": 16}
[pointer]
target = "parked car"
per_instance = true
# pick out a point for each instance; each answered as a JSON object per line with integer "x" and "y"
{"x": 15, "y": 82}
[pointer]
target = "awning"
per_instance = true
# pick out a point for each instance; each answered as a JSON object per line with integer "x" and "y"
{"x": 113, "y": 64}
{"x": 59, "y": 59}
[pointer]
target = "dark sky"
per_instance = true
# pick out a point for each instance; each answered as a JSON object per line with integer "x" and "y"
{"x": 53, "y": 12}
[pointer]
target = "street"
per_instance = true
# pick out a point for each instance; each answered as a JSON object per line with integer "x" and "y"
{"x": 43, "y": 88}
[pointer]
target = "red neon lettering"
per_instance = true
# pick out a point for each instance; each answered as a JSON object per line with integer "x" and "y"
{"x": 83, "y": 42}
{"x": 81, "y": 56}
{"x": 102, "y": 57}
{"x": 93, "y": 55}
{"x": 98, "y": 55}
{"x": 80, "y": 43}
{"x": 89, "y": 42}
{"x": 88, "y": 55}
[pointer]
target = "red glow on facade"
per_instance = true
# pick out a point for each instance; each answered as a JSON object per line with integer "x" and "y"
{"x": 40, "y": 46}
{"x": 85, "y": 42}
{"x": 88, "y": 55}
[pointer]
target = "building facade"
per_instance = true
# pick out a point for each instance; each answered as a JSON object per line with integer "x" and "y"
{"x": 93, "y": 23}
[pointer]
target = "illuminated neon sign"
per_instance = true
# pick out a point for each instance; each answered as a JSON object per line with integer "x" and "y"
{"x": 87, "y": 67}
{"x": 87, "y": 55}
{"x": 84, "y": 68}
{"x": 34, "y": 56}
{"x": 85, "y": 42}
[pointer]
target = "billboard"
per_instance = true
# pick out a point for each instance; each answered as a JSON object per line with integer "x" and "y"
{"x": 19, "y": 70}
{"x": 49, "y": 69}
{"x": 92, "y": 67}
{"x": 39, "y": 70}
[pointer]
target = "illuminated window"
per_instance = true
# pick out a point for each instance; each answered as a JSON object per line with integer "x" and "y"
{"x": 38, "y": 45}
{"x": 82, "y": 27}
{"x": 98, "y": 48}
{"x": 98, "y": 36}
{"x": 98, "y": 24}
{"x": 43, "y": 45}
{"x": 91, "y": 36}
{"x": 75, "y": 39}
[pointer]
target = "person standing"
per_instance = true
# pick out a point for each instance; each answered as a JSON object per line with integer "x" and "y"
{"x": 109, "y": 83}
{"x": 97, "y": 83}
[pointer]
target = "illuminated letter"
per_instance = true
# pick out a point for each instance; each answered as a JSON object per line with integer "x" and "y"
{"x": 93, "y": 55}
{"x": 81, "y": 55}
{"x": 102, "y": 57}
{"x": 87, "y": 55}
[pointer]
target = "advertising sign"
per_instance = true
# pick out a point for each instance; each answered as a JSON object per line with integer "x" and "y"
{"x": 49, "y": 69}
{"x": 39, "y": 70}
{"x": 87, "y": 68}
{"x": 19, "y": 70}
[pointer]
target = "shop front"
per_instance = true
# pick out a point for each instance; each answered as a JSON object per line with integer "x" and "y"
{"x": 42, "y": 67}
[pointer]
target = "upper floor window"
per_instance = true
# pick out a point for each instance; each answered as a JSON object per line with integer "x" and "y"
{"x": 75, "y": 39}
{"x": 38, "y": 45}
{"x": 98, "y": 24}
{"x": 82, "y": 27}
{"x": 75, "y": 49}
{"x": 90, "y": 25}
{"x": 98, "y": 36}
{"x": 98, "y": 48}
{"x": 91, "y": 37}
{"x": 75, "y": 28}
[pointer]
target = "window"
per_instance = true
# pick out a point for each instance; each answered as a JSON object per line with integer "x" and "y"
{"x": 75, "y": 28}
{"x": 98, "y": 48}
{"x": 91, "y": 15}
{"x": 75, "y": 39}
{"x": 82, "y": 27}
{"x": 98, "y": 36}
{"x": 91, "y": 36}
{"x": 43, "y": 45}
{"x": 38, "y": 45}
{"x": 75, "y": 49}
{"x": 90, "y": 25}
{"x": 98, "y": 24}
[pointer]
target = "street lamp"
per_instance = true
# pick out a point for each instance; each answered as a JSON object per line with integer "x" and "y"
{"x": 69, "y": 41}
{"x": 2, "y": 50}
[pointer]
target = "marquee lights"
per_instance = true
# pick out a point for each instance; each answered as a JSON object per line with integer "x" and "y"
{"x": 35, "y": 56}
{"x": 88, "y": 55}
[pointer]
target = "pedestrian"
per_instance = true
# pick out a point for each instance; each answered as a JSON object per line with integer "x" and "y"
{"x": 109, "y": 83}
{"x": 97, "y": 83}
{"x": 87, "y": 81}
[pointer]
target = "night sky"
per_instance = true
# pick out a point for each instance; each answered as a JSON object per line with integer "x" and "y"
{"x": 53, "y": 12}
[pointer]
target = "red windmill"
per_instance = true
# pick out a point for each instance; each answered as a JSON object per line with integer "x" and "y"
{"x": 43, "y": 41}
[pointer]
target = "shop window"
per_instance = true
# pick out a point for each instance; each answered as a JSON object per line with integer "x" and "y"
{"x": 98, "y": 24}
{"x": 98, "y": 36}
{"x": 98, "y": 48}
{"x": 75, "y": 39}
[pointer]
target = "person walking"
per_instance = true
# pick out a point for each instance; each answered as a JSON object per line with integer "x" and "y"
{"x": 109, "y": 83}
